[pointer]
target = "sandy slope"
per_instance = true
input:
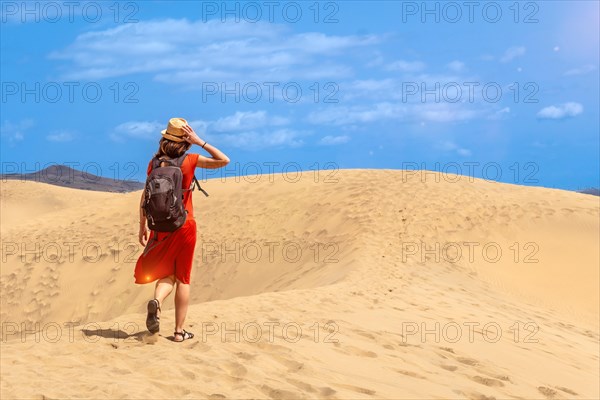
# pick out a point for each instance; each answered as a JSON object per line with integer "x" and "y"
{"x": 332, "y": 295}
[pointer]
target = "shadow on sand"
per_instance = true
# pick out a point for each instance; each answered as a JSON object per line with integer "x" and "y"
{"x": 109, "y": 333}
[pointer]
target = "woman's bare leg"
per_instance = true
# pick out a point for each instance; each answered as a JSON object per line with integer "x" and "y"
{"x": 163, "y": 288}
{"x": 182, "y": 299}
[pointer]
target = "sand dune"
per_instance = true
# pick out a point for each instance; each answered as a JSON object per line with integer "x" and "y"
{"x": 379, "y": 285}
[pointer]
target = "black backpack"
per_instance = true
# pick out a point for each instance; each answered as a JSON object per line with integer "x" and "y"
{"x": 163, "y": 203}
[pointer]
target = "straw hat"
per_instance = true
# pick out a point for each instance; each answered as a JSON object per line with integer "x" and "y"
{"x": 174, "y": 130}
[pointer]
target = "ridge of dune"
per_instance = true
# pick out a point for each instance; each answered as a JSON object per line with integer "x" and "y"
{"x": 368, "y": 259}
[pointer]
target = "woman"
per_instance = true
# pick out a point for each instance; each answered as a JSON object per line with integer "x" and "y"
{"x": 168, "y": 256}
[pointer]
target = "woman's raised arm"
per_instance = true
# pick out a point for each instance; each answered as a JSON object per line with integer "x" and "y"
{"x": 218, "y": 159}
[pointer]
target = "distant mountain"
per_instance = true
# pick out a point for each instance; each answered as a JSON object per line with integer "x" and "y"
{"x": 62, "y": 175}
{"x": 594, "y": 191}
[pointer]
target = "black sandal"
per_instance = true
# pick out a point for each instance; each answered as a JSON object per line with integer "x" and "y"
{"x": 185, "y": 335}
{"x": 152, "y": 319}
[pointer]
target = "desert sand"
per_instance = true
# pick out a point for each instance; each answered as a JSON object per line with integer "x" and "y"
{"x": 364, "y": 284}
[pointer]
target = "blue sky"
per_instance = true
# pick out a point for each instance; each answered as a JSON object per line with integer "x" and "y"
{"x": 385, "y": 84}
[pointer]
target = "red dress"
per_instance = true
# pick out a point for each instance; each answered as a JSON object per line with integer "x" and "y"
{"x": 173, "y": 252}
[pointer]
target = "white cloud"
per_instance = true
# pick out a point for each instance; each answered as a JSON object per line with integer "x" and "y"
{"x": 60, "y": 136}
{"x": 442, "y": 112}
{"x": 456, "y": 66}
{"x": 372, "y": 85}
{"x": 258, "y": 140}
{"x": 512, "y": 53}
{"x": 376, "y": 59}
{"x": 199, "y": 126}
{"x": 15, "y": 132}
{"x": 247, "y": 121}
{"x": 357, "y": 114}
{"x": 188, "y": 52}
{"x": 138, "y": 129}
{"x": 334, "y": 140}
{"x": 386, "y": 111}
{"x": 450, "y": 146}
{"x": 414, "y": 88}
{"x": 500, "y": 114}
{"x": 585, "y": 69}
{"x": 369, "y": 88}
{"x": 566, "y": 110}
{"x": 405, "y": 66}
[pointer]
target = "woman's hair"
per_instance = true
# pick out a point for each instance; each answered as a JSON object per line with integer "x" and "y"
{"x": 172, "y": 149}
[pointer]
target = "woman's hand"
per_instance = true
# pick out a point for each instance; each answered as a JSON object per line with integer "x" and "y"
{"x": 144, "y": 234}
{"x": 191, "y": 136}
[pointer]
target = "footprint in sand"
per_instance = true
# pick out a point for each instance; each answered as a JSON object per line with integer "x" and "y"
{"x": 355, "y": 351}
{"x": 450, "y": 368}
{"x": 549, "y": 393}
{"x": 410, "y": 373}
{"x": 148, "y": 338}
{"x": 487, "y": 381}
{"x": 302, "y": 385}
{"x": 359, "y": 389}
{"x": 199, "y": 346}
{"x": 326, "y": 391}
{"x": 567, "y": 390}
{"x": 448, "y": 349}
{"x": 236, "y": 369}
{"x": 474, "y": 396}
{"x": 292, "y": 365}
{"x": 365, "y": 334}
{"x": 467, "y": 361}
{"x": 278, "y": 393}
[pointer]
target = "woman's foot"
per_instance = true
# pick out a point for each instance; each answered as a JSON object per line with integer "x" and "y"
{"x": 181, "y": 336}
{"x": 152, "y": 319}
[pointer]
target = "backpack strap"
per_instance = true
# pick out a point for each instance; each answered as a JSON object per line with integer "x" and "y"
{"x": 155, "y": 163}
{"x": 174, "y": 162}
{"x": 196, "y": 184}
{"x": 178, "y": 162}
